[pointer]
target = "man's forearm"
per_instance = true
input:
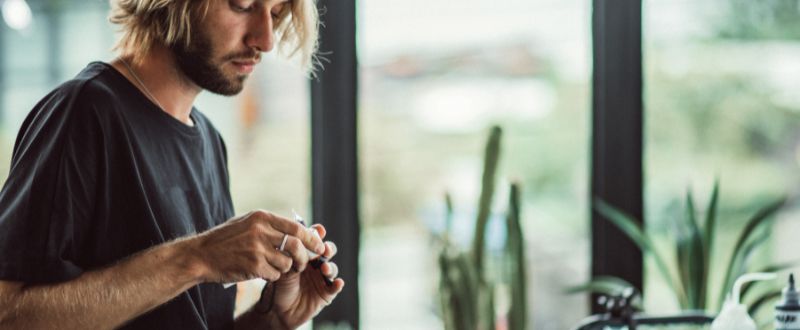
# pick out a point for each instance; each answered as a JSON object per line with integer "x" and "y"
{"x": 105, "y": 298}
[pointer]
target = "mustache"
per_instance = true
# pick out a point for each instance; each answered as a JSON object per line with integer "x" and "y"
{"x": 251, "y": 54}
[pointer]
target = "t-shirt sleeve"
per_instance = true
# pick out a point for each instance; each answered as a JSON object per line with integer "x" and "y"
{"x": 47, "y": 202}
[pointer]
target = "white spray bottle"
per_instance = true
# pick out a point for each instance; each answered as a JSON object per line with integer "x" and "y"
{"x": 733, "y": 315}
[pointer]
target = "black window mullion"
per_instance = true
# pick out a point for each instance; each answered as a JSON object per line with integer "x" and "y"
{"x": 334, "y": 152}
{"x": 617, "y": 126}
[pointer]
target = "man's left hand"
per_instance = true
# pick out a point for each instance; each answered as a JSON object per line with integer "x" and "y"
{"x": 299, "y": 296}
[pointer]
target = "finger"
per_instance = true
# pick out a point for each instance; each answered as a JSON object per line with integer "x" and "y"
{"x": 329, "y": 292}
{"x": 277, "y": 260}
{"x": 295, "y": 249}
{"x": 295, "y": 229}
{"x": 330, "y": 270}
{"x": 330, "y": 250}
{"x": 268, "y": 272}
{"x": 273, "y": 239}
{"x": 320, "y": 230}
{"x": 262, "y": 226}
{"x": 326, "y": 288}
{"x": 337, "y": 286}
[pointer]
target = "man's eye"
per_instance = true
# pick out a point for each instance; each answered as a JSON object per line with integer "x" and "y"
{"x": 241, "y": 9}
{"x": 277, "y": 11}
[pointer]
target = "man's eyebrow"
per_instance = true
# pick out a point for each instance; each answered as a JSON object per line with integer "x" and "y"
{"x": 277, "y": 2}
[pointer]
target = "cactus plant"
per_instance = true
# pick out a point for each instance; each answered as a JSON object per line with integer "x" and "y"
{"x": 466, "y": 292}
{"x": 515, "y": 249}
{"x": 490, "y": 161}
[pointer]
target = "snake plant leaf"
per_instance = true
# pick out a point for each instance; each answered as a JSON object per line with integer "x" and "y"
{"x": 691, "y": 257}
{"x": 773, "y": 268}
{"x": 753, "y": 223}
{"x": 761, "y": 237}
{"x": 779, "y": 267}
{"x": 709, "y": 232}
{"x": 628, "y": 226}
{"x": 607, "y": 285}
{"x": 763, "y": 300}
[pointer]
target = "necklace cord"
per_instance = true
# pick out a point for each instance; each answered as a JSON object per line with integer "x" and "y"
{"x": 139, "y": 81}
{"x": 144, "y": 87}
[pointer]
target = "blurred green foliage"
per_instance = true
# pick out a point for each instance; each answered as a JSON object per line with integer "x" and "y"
{"x": 689, "y": 274}
{"x": 762, "y": 19}
{"x": 469, "y": 279}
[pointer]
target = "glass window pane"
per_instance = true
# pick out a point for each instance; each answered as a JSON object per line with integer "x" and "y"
{"x": 721, "y": 103}
{"x": 435, "y": 76}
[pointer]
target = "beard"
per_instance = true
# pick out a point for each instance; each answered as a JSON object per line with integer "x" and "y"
{"x": 196, "y": 61}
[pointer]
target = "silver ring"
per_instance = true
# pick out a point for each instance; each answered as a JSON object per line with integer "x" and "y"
{"x": 283, "y": 243}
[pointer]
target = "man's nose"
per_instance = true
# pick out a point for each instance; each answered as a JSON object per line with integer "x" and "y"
{"x": 261, "y": 34}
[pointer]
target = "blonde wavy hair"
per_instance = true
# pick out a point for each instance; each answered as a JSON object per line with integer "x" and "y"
{"x": 145, "y": 23}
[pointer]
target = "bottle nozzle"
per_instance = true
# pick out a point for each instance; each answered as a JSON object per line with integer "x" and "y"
{"x": 790, "y": 295}
{"x": 737, "y": 285}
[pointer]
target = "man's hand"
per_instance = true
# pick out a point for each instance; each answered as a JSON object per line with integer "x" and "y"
{"x": 246, "y": 247}
{"x": 299, "y": 296}
{"x": 106, "y": 298}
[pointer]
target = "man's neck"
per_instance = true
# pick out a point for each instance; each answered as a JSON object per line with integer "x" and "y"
{"x": 160, "y": 79}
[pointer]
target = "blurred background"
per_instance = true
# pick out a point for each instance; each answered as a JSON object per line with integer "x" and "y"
{"x": 434, "y": 75}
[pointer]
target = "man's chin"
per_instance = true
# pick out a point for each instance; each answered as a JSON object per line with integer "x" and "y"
{"x": 226, "y": 92}
{"x": 212, "y": 78}
{"x": 230, "y": 87}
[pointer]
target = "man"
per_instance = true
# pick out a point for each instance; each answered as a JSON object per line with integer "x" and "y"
{"x": 115, "y": 173}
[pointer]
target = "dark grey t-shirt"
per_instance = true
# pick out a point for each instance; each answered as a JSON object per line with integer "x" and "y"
{"x": 100, "y": 173}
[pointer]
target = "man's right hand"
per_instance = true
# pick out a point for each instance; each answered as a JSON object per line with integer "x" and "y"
{"x": 247, "y": 247}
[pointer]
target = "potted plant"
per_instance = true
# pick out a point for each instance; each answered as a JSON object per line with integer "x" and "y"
{"x": 689, "y": 274}
{"x": 468, "y": 278}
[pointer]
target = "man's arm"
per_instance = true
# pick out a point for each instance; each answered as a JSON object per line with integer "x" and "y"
{"x": 240, "y": 249}
{"x": 101, "y": 299}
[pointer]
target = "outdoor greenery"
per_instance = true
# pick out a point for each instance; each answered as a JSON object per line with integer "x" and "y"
{"x": 764, "y": 19}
